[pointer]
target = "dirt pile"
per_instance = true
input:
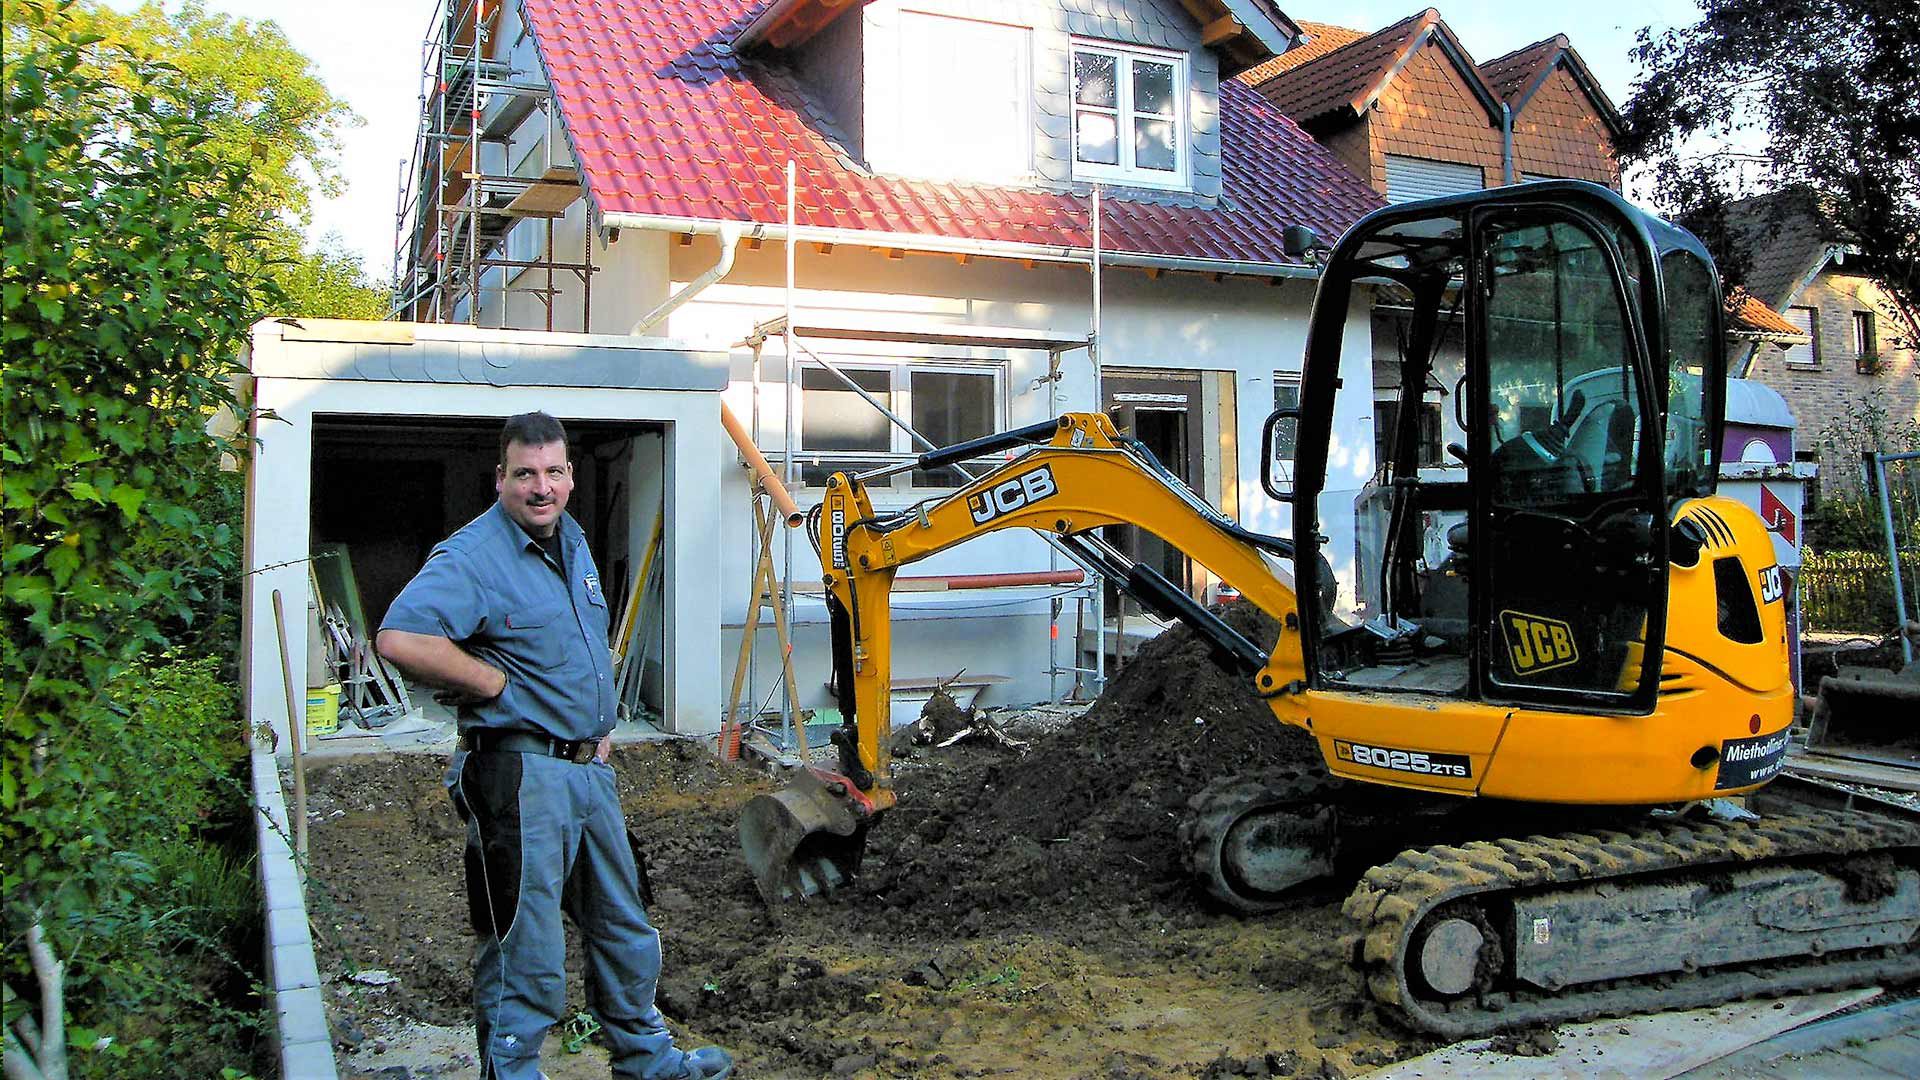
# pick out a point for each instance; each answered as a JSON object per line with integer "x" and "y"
{"x": 1090, "y": 810}
{"x": 1023, "y": 914}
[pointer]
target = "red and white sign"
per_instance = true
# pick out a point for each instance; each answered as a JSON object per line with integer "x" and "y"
{"x": 1778, "y": 518}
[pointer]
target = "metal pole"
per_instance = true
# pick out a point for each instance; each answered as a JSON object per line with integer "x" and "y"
{"x": 1893, "y": 550}
{"x": 788, "y": 720}
{"x": 1100, "y": 406}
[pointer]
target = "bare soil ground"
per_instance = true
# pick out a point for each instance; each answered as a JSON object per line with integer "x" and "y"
{"x": 1019, "y": 914}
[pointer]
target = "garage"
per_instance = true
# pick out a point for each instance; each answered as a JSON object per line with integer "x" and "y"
{"x": 374, "y": 441}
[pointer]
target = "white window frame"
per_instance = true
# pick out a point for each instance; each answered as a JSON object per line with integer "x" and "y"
{"x": 1125, "y": 172}
{"x": 1791, "y": 355}
{"x": 899, "y": 398}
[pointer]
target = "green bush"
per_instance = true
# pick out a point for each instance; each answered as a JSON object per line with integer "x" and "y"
{"x": 130, "y": 269}
{"x": 169, "y": 946}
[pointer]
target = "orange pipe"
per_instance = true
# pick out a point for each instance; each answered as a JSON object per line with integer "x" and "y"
{"x": 988, "y": 581}
{"x": 763, "y": 473}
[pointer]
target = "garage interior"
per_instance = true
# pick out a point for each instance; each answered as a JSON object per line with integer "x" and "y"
{"x": 389, "y": 488}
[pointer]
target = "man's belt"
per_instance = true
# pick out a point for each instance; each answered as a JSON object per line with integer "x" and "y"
{"x": 578, "y": 751}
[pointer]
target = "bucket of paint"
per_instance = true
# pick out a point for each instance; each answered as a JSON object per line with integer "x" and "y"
{"x": 323, "y": 710}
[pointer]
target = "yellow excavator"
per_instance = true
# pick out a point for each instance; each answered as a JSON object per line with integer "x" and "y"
{"x": 1563, "y": 613}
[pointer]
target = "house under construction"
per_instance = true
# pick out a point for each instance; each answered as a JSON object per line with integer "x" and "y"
{"x": 475, "y": 220}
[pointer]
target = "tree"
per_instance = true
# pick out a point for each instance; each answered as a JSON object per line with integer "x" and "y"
{"x": 133, "y": 258}
{"x": 1829, "y": 85}
{"x": 263, "y": 108}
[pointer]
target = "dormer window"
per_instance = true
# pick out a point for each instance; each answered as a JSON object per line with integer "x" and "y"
{"x": 1129, "y": 115}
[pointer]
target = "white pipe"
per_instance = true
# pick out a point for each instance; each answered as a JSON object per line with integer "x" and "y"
{"x": 729, "y": 233}
{"x": 958, "y": 245}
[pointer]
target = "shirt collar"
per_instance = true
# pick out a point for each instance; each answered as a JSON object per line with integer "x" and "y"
{"x": 568, "y": 529}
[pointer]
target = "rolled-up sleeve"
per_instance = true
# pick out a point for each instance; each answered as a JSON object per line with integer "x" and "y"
{"x": 444, "y": 599}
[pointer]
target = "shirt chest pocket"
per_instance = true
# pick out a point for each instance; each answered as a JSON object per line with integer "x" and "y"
{"x": 539, "y": 637}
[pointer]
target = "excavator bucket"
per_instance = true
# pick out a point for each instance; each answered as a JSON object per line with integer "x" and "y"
{"x": 804, "y": 840}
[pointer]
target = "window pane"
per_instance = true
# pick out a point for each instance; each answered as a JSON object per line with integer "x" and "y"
{"x": 1153, "y": 145}
{"x": 836, "y": 418}
{"x": 1095, "y": 138}
{"x": 1805, "y": 319}
{"x": 1565, "y": 412}
{"x": 1093, "y": 80}
{"x": 951, "y": 407}
{"x": 1152, "y": 88}
{"x": 1689, "y": 363}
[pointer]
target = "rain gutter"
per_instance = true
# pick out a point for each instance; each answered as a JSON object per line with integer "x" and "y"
{"x": 1506, "y": 142}
{"x": 955, "y": 245}
{"x": 729, "y": 234}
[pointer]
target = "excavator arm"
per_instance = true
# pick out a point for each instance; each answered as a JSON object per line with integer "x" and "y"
{"x": 1077, "y": 475}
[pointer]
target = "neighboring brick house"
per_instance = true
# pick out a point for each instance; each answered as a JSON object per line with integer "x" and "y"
{"x": 1849, "y": 355}
{"x": 1409, "y": 110}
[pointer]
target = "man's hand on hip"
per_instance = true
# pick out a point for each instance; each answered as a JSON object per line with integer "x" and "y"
{"x": 464, "y": 678}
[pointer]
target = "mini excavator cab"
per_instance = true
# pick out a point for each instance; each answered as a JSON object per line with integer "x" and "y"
{"x": 1575, "y": 342}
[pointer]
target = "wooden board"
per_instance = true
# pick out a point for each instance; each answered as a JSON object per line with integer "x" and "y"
{"x": 1893, "y": 777}
{"x": 1650, "y": 1047}
{"x": 556, "y": 190}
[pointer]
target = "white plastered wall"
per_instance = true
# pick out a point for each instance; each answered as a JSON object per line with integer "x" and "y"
{"x": 279, "y": 490}
{"x": 1245, "y": 327}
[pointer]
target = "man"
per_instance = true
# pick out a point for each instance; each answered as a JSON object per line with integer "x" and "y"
{"x": 508, "y": 617}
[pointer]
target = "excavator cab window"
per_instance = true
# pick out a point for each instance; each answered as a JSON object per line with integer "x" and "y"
{"x": 1526, "y": 565}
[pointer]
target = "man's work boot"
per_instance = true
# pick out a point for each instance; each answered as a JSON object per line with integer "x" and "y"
{"x": 708, "y": 1063}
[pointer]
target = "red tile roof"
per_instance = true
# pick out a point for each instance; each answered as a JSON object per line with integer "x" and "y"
{"x": 665, "y": 120}
{"x": 1516, "y": 76}
{"x": 1514, "y": 73}
{"x": 1747, "y": 313}
{"x": 1345, "y": 80}
{"x": 1322, "y": 38}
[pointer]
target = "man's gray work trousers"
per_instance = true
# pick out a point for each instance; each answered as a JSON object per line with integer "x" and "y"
{"x": 545, "y": 835}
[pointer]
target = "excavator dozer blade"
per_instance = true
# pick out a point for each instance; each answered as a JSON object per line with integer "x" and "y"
{"x": 804, "y": 840}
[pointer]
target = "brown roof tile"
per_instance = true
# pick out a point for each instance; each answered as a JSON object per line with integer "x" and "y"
{"x": 1350, "y": 77}
{"x": 1322, "y": 38}
{"x": 1748, "y": 313}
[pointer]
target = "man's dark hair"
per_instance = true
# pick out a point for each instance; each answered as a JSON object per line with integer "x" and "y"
{"x": 530, "y": 429}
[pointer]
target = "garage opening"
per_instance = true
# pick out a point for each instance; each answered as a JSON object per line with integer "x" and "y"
{"x": 387, "y": 489}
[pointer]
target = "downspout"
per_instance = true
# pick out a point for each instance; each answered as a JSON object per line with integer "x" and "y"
{"x": 729, "y": 235}
{"x": 1506, "y": 143}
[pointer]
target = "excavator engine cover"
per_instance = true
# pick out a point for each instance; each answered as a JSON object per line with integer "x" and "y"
{"x": 805, "y": 839}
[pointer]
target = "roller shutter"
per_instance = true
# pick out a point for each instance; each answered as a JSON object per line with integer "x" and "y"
{"x": 1410, "y": 178}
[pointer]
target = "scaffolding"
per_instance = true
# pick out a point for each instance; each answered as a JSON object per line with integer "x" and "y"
{"x": 460, "y": 195}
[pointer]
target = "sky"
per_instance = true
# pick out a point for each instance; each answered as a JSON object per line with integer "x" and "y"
{"x": 368, "y": 52}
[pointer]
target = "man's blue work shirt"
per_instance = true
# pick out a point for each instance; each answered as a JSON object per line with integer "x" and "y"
{"x": 493, "y": 591}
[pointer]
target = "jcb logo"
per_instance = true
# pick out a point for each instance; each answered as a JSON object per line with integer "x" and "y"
{"x": 1772, "y": 585}
{"x": 1012, "y": 494}
{"x": 1536, "y": 643}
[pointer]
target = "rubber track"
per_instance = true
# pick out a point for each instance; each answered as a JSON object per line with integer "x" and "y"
{"x": 1391, "y": 900}
{"x": 1212, "y": 811}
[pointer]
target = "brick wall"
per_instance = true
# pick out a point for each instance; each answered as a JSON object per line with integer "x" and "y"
{"x": 1428, "y": 112}
{"x": 1560, "y": 134}
{"x": 1819, "y": 395}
